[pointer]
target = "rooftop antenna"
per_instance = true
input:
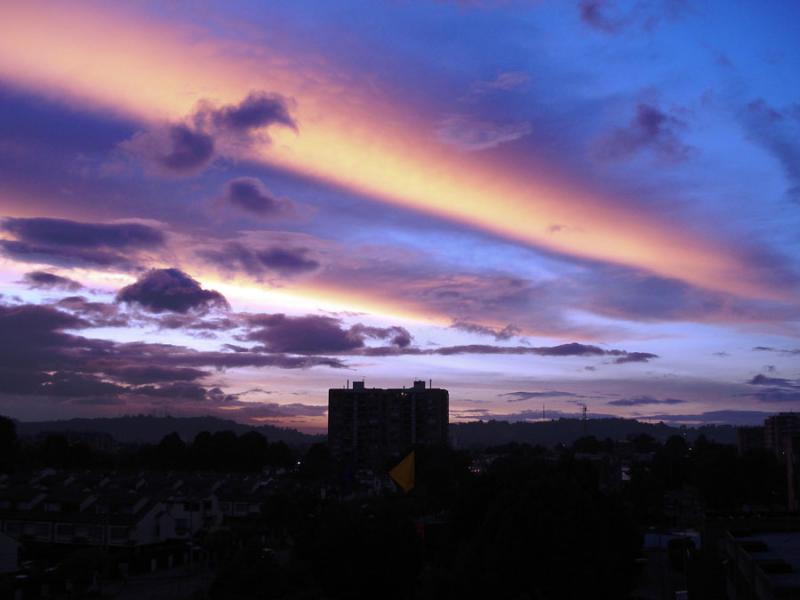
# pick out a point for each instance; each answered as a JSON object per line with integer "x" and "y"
{"x": 583, "y": 416}
{"x": 430, "y": 384}
{"x": 347, "y": 385}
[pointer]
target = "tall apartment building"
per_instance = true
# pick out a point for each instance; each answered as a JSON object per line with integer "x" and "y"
{"x": 778, "y": 427}
{"x": 367, "y": 427}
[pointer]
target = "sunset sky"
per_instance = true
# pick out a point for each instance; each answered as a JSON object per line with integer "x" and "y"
{"x": 229, "y": 207}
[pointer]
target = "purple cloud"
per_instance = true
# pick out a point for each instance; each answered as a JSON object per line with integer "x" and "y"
{"x": 303, "y": 335}
{"x": 522, "y": 396}
{"x": 66, "y": 233}
{"x": 170, "y": 290}
{"x": 42, "y": 280}
{"x": 286, "y": 262}
{"x": 249, "y": 195}
{"x": 256, "y": 111}
{"x": 142, "y": 374}
{"x": 71, "y": 243}
{"x": 187, "y": 147}
{"x": 506, "y": 333}
{"x": 644, "y": 401}
{"x": 777, "y": 381}
{"x": 650, "y": 129}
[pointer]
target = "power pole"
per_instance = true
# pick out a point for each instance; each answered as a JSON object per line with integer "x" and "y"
{"x": 583, "y": 415}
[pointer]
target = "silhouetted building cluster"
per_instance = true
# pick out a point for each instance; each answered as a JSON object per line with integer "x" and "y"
{"x": 368, "y": 426}
{"x": 777, "y": 432}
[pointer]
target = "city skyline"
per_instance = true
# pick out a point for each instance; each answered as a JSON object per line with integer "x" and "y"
{"x": 231, "y": 208}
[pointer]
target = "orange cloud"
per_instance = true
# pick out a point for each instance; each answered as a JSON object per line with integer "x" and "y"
{"x": 351, "y": 135}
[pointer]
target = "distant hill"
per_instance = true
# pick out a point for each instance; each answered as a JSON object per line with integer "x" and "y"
{"x": 150, "y": 429}
{"x": 566, "y": 431}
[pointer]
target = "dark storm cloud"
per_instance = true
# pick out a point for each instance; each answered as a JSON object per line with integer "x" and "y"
{"x": 786, "y": 351}
{"x": 778, "y": 132}
{"x": 398, "y": 336}
{"x": 287, "y": 262}
{"x": 38, "y": 357}
{"x": 503, "y": 334}
{"x": 563, "y": 350}
{"x": 649, "y": 129}
{"x": 310, "y": 334}
{"x": 632, "y": 357}
{"x": 77, "y": 385}
{"x": 571, "y": 349}
{"x": 65, "y": 257}
{"x": 42, "y": 280}
{"x": 71, "y": 243}
{"x": 170, "y": 290}
{"x": 256, "y": 111}
{"x": 65, "y": 233}
{"x": 776, "y": 389}
{"x": 181, "y": 390}
{"x": 315, "y": 334}
{"x": 154, "y": 374}
{"x": 644, "y": 400}
{"x": 55, "y": 384}
{"x": 187, "y": 147}
{"x": 97, "y": 314}
{"x": 249, "y": 194}
{"x": 33, "y": 335}
{"x": 777, "y": 381}
{"x": 178, "y": 149}
{"x": 522, "y": 396}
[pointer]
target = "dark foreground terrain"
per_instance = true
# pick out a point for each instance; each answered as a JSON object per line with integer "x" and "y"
{"x": 235, "y": 515}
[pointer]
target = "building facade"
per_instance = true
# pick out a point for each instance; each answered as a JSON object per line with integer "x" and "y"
{"x": 780, "y": 427}
{"x": 369, "y": 426}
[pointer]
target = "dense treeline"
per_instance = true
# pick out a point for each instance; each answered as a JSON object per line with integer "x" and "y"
{"x": 221, "y": 451}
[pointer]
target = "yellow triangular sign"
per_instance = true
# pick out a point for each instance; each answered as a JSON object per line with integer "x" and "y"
{"x": 403, "y": 473}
